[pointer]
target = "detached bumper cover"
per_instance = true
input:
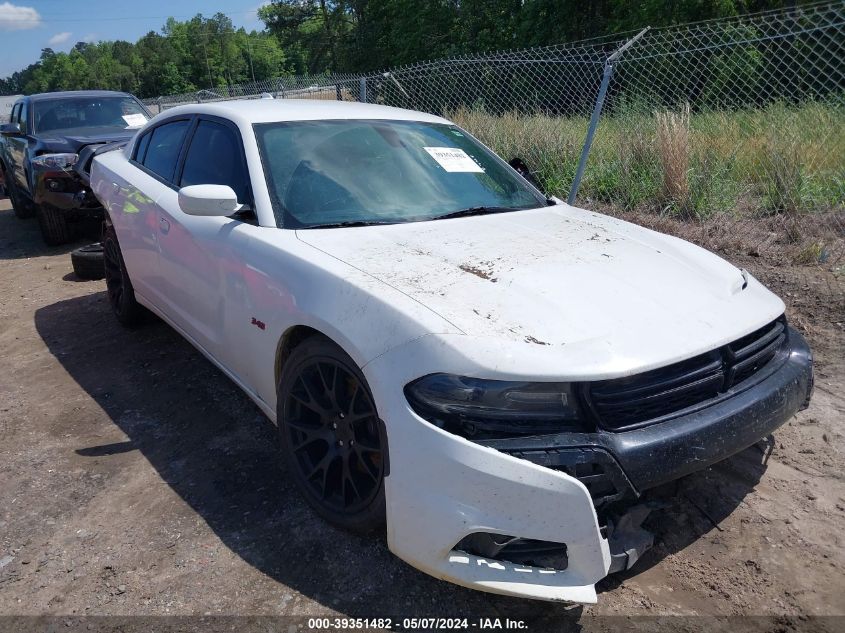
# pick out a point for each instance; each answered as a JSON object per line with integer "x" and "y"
{"x": 443, "y": 488}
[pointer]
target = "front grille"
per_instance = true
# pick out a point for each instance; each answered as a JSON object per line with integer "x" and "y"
{"x": 751, "y": 353}
{"x": 625, "y": 402}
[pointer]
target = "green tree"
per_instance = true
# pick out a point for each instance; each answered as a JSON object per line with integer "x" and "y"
{"x": 316, "y": 36}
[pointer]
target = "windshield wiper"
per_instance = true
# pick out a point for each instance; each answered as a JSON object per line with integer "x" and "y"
{"x": 462, "y": 213}
{"x": 454, "y": 214}
{"x": 338, "y": 225}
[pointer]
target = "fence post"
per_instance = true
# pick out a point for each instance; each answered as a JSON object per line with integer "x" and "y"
{"x": 362, "y": 90}
{"x": 591, "y": 131}
{"x": 594, "y": 119}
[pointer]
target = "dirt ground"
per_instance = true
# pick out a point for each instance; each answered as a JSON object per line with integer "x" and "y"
{"x": 135, "y": 479}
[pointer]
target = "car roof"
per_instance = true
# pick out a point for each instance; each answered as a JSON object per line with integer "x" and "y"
{"x": 276, "y": 110}
{"x": 45, "y": 96}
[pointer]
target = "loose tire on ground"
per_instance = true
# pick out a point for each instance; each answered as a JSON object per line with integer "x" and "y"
{"x": 331, "y": 437}
{"x": 87, "y": 261}
{"x": 119, "y": 289}
{"x": 55, "y": 229}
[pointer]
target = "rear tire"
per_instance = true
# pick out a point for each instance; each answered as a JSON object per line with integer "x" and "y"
{"x": 88, "y": 261}
{"x": 55, "y": 229}
{"x": 119, "y": 289}
{"x": 331, "y": 437}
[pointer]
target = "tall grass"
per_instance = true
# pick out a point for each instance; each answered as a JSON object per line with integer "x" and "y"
{"x": 782, "y": 159}
{"x": 673, "y": 149}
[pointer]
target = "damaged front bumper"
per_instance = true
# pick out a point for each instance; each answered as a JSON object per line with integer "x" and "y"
{"x": 642, "y": 458}
{"x": 64, "y": 190}
{"x": 548, "y": 516}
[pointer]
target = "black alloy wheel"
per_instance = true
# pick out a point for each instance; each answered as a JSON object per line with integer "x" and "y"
{"x": 118, "y": 286}
{"x": 332, "y": 436}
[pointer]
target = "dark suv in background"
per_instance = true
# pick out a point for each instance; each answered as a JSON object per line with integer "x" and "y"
{"x": 48, "y": 134}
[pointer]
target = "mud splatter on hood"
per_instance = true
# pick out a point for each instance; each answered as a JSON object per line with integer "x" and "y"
{"x": 547, "y": 276}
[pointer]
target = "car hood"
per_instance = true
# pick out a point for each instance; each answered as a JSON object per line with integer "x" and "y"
{"x": 74, "y": 140}
{"x": 559, "y": 275}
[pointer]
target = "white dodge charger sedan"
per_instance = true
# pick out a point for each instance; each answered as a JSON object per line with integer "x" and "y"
{"x": 494, "y": 374}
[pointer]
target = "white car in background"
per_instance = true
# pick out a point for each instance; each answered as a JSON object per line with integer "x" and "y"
{"x": 498, "y": 375}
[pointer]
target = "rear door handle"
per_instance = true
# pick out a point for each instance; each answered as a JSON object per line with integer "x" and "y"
{"x": 164, "y": 225}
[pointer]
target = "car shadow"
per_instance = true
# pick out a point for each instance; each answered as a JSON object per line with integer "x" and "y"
{"x": 21, "y": 239}
{"x": 77, "y": 279}
{"x": 218, "y": 452}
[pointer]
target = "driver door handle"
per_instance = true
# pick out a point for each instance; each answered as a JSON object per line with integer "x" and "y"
{"x": 163, "y": 224}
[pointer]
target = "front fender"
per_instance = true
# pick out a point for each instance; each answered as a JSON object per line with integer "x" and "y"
{"x": 289, "y": 283}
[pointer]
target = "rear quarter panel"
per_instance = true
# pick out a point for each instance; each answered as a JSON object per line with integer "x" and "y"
{"x": 129, "y": 197}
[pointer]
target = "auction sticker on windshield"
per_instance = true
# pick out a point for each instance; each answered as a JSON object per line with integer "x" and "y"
{"x": 453, "y": 159}
{"x": 134, "y": 120}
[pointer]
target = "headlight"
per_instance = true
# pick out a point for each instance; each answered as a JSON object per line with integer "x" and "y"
{"x": 55, "y": 161}
{"x": 477, "y": 408}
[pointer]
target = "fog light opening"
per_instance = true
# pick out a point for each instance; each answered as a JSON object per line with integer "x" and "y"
{"x": 512, "y": 549}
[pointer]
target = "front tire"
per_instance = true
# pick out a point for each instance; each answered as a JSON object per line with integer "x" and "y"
{"x": 55, "y": 229}
{"x": 331, "y": 437}
{"x": 119, "y": 289}
{"x": 23, "y": 208}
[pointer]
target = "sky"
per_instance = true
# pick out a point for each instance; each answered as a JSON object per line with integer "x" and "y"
{"x": 27, "y": 26}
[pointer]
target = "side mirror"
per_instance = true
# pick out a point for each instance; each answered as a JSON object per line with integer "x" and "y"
{"x": 209, "y": 200}
{"x": 11, "y": 129}
{"x": 519, "y": 165}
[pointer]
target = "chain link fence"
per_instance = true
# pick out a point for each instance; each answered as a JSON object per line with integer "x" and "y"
{"x": 729, "y": 132}
{"x": 337, "y": 87}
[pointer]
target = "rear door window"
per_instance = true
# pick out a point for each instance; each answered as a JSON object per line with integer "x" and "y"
{"x": 141, "y": 147}
{"x": 165, "y": 144}
{"x": 23, "y": 119}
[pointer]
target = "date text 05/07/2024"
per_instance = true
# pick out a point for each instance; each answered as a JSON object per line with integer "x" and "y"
{"x": 316, "y": 625}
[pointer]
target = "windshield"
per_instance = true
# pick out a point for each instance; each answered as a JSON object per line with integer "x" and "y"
{"x": 358, "y": 172}
{"x": 88, "y": 112}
